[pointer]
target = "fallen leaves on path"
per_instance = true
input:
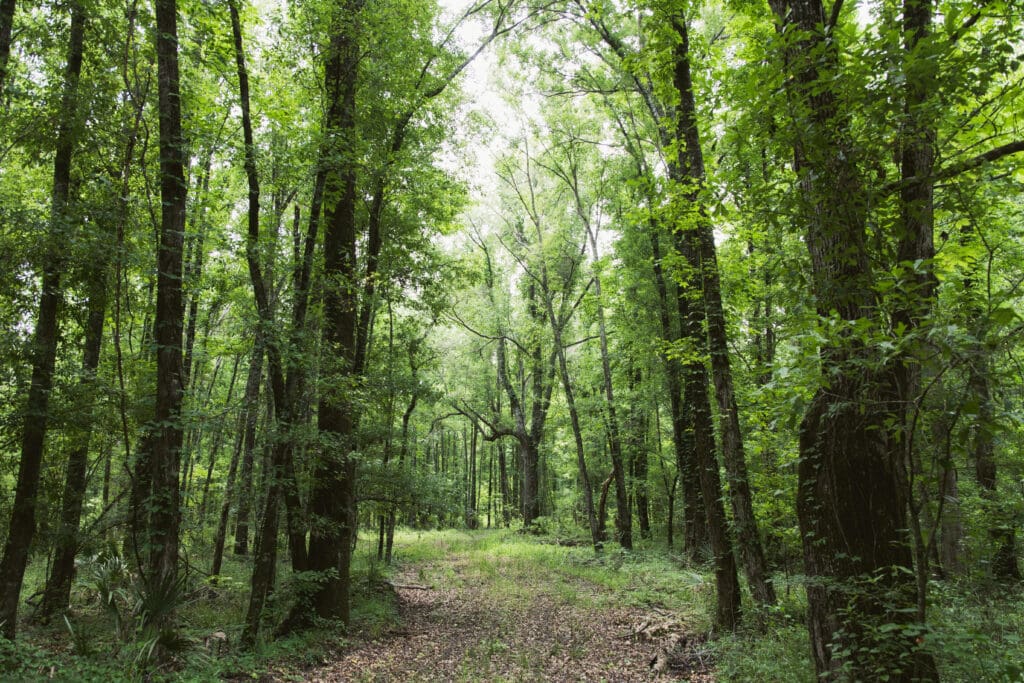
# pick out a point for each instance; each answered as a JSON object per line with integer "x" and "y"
{"x": 507, "y": 625}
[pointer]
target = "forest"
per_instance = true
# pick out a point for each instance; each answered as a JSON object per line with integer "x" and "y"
{"x": 511, "y": 340}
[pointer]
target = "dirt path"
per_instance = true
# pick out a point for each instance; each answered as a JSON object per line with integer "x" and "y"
{"x": 507, "y": 622}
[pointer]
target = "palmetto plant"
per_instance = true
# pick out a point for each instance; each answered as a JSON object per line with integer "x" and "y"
{"x": 110, "y": 578}
{"x": 140, "y": 608}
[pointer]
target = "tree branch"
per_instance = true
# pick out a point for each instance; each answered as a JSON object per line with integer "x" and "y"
{"x": 994, "y": 154}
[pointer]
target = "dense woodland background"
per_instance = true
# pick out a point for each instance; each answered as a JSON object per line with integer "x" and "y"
{"x": 737, "y": 279}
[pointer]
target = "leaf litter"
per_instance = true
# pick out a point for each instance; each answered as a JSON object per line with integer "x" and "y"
{"x": 511, "y": 623}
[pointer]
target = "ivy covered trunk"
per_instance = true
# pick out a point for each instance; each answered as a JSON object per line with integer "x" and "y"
{"x": 851, "y": 501}
{"x": 163, "y": 505}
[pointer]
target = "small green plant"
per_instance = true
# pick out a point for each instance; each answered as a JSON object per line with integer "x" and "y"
{"x": 82, "y": 643}
{"x": 109, "y": 578}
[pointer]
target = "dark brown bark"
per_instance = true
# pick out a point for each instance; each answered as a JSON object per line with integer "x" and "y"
{"x": 701, "y": 443}
{"x": 332, "y": 499}
{"x": 22, "y": 524}
{"x": 163, "y": 501}
{"x": 6, "y": 29}
{"x": 279, "y": 469}
{"x": 703, "y": 260}
{"x": 851, "y": 503}
{"x": 915, "y": 245}
{"x": 264, "y": 559}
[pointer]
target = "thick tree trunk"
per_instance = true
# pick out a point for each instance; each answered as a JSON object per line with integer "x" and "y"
{"x": 44, "y": 343}
{"x": 851, "y": 503}
{"x": 264, "y": 560}
{"x": 332, "y": 499}
{"x": 529, "y": 457}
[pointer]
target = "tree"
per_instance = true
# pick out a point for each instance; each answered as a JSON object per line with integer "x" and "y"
{"x": 166, "y": 432}
{"x": 61, "y": 227}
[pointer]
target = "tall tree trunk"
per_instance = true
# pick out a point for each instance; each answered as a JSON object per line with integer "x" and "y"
{"x": 278, "y": 468}
{"x": 701, "y": 443}
{"x": 577, "y": 432}
{"x": 703, "y": 260}
{"x": 332, "y": 499}
{"x": 164, "y": 503}
{"x": 851, "y": 502}
{"x": 529, "y": 459}
{"x": 47, "y": 330}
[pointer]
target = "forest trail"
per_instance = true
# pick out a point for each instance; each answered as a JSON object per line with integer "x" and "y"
{"x": 498, "y": 617}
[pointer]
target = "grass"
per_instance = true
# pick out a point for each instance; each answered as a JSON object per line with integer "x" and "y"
{"x": 976, "y": 628}
{"x": 87, "y": 648}
{"x": 643, "y": 578}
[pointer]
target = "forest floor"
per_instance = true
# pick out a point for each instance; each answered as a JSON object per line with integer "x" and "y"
{"x": 493, "y": 607}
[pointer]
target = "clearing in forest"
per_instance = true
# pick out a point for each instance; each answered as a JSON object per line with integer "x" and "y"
{"x": 493, "y": 606}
